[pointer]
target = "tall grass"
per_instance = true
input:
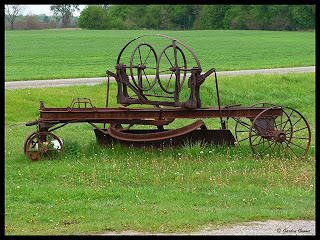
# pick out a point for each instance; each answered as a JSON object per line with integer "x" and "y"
{"x": 46, "y": 54}
{"x": 94, "y": 189}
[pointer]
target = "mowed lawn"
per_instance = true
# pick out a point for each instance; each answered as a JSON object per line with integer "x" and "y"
{"x": 56, "y": 54}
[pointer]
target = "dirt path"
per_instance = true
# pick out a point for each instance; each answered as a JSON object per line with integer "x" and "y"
{"x": 93, "y": 81}
{"x": 270, "y": 227}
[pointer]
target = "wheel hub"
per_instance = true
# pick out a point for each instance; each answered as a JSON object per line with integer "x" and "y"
{"x": 280, "y": 136}
{"x": 44, "y": 149}
{"x": 142, "y": 67}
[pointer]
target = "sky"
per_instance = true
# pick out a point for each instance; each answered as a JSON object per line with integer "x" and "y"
{"x": 45, "y": 9}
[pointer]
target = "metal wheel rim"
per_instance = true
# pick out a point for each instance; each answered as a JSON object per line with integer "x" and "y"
{"x": 288, "y": 145}
{"x": 38, "y": 154}
{"x": 158, "y": 70}
{"x": 131, "y": 66}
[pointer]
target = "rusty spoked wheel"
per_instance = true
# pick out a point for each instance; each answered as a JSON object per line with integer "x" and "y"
{"x": 173, "y": 62}
{"x": 143, "y": 58}
{"x": 43, "y": 144}
{"x": 285, "y": 135}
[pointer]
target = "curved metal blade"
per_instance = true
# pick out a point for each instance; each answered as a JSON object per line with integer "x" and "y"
{"x": 147, "y": 137}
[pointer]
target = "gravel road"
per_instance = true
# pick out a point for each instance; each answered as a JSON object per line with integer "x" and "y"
{"x": 267, "y": 228}
{"x": 93, "y": 81}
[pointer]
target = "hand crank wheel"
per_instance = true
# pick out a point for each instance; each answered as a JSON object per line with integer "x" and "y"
{"x": 142, "y": 61}
{"x": 173, "y": 62}
{"x": 288, "y": 134}
{"x": 41, "y": 144}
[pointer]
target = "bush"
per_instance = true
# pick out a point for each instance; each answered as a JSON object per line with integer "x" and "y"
{"x": 93, "y": 17}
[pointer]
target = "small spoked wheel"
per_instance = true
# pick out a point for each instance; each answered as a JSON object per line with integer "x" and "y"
{"x": 143, "y": 61}
{"x": 39, "y": 145}
{"x": 173, "y": 62}
{"x": 285, "y": 135}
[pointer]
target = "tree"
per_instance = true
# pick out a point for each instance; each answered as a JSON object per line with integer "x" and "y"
{"x": 212, "y": 16}
{"x": 181, "y": 16}
{"x": 105, "y": 7}
{"x": 11, "y": 13}
{"x": 33, "y": 23}
{"x": 92, "y": 17}
{"x": 152, "y": 17}
{"x": 64, "y": 12}
{"x": 45, "y": 19}
{"x": 260, "y": 16}
{"x": 236, "y": 17}
{"x": 303, "y": 16}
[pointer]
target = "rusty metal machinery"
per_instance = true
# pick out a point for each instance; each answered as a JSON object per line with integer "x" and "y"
{"x": 267, "y": 128}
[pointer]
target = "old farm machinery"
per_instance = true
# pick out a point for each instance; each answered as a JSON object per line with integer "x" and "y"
{"x": 166, "y": 88}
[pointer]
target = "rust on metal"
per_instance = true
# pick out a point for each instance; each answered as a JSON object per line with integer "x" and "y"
{"x": 156, "y": 78}
{"x": 155, "y": 136}
{"x": 206, "y": 136}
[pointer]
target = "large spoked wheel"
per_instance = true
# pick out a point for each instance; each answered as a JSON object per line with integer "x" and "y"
{"x": 39, "y": 145}
{"x": 285, "y": 135}
{"x": 173, "y": 62}
{"x": 242, "y": 127}
{"x": 143, "y": 61}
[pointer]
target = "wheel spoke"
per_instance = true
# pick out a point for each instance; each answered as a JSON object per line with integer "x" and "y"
{"x": 241, "y": 131}
{"x": 49, "y": 156}
{"x": 169, "y": 80}
{"x": 268, "y": 146}
{"x": 147, "y": 57}
{"x": 292, "y": 150}
{"x": 283, "y": 123}
{"x": 264, "y": 140}
{"x": 168, "y": 70}
{"x": 140, "y": 55}
{"x": 281, "y": 120}
{"x": 255, "y": 138}
{"x": 168, "y": 59}
{"x": 246, "y": 125}
{"x": 300, "y": 138}
{"x": 153, "y": 68}
{"x": 146, "y": 78}
{"x": 299, "y": 129}
{"x": 296, "y": 121}
{"x": 275, "y": 144}
{"x": 243, "y": 139}
{"x": 297, "y": 145}
{"x": 50, "y": 137}
{"x": 288, "y": 119}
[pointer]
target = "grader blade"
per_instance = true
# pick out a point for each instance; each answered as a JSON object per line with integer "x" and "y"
{"x": 185, "y": 135}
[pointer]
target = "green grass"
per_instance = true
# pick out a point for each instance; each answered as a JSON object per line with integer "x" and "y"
{"x": 95, "y": 190}
{"x": 48, "y": 54}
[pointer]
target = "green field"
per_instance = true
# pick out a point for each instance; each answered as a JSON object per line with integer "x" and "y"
{"x": 93, "y": 190}
{"x": 55, "y": 54}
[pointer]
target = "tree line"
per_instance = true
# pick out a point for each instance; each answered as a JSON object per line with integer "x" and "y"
{"x": 191, "y": 17}
{"x": 179, "y": 17}
{"x": 62, "y": 17}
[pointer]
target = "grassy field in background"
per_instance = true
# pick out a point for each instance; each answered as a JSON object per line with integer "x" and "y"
{"x": 95, "y": 190}
{"x": 50, "y": 54}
